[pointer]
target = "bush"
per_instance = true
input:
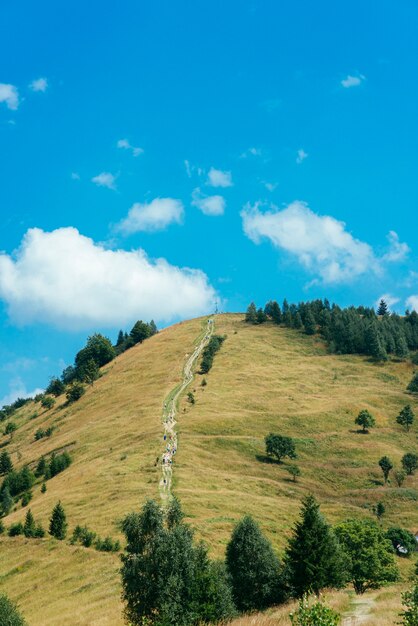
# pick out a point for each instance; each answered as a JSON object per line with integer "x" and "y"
{"x": 402, "y": 539}
{"x": 209, "y": 352}
{"x": 190, "y": 397}
{"x": 15, "y": 529}
{"x": 11, "y": 428}
{"x": 75, "y": 392}
{"x": 107, "y": 545}
{"x": 56, "y": 387}
{"x": 81, "y": 534}
{"x": 41, "y": 433}
{"x": 48, "y": 402}
{"x": 18, "y": 481}
{"x": 410, "y": 600}
{"x": 9, "y": 613}
{"x": 26, "y": 498}
{"x": 314, "y": 614}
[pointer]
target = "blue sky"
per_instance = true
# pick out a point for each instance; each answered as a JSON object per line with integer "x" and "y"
{"x": 158, "y": 156}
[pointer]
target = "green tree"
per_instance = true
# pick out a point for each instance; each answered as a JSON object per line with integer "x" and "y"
{"x": 309, "y": 323}
{"x": 314, "y": 559}
{"x": 371, "y": 559}
{"x": 29, "y": 527}
{"x": 251, "y": 314}
{"x": 410, "y": 601}
{"x": 47, "y": 402}
{"x": 400, "y": 476}
{"x": 254, "y": 568}
{"x": 314, "y": 614}
{"x": 58, "y": 522}
{"x": 382, "y": 309}
{"x": 6, "y": 500}
{"x": 280, "y": 446}
{"x": 386, "y": 466}
{"x": 6, "y": 464}
{"x": 75, "y": 392}
{"x": 56, "y": 387}
{"x": 402, "y": 538}
{"x": 406, "y": 417}
{"x": 410, "y": 462}
{"x": 374, "y": 344}
{"x": 98, "y": 348}
{"x": 294, "y": 471}
{"x": 10, "y": 429}
{"x": 121, "y": 338}
{"x": 9, "y": 613}
{"x": 413, "y": 385}
{"x": 275, "y": 313}
{"x": 153, "y": 328}
{"x": 43, "y": 488}
{"x": 261, "y": 316}
{"x": 140, "y": 331}
{"x": 380, "y": 510}
{"x": 365, "y": 419}
{"x": 89, "y": 372}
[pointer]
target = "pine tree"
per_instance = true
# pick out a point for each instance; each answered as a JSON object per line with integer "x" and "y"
{"x": 153, "y": 328}
{"x": 254, "y": 568}
{"x": 6, "y": 500}
{"x": 309, "y": 323}
{"x": 6, "y": 464}
{"x": 9, "y": 613}
{"x": 382, "y": 309}
{"x": 314, "y": 559}
{"x": 297, "y": 321}
{"x": 386, "y": 466}
{"x": 406, "y": 417}
{"x": 251, "y": 314}
{"x": 139, "y": 332}
{"x": 261, "y": 316}
{"x": 413, "y": 385}
{"x": 275, "y": 313}
{"x": 401, "y": 347}
{"x": 120, "y": 339}
{"x": 374, "y": 344}
{"x": 29, "y": 527}
{"x": 58, "y": 522}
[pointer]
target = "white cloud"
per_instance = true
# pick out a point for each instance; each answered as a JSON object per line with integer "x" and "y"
{"x": 188, "y": 168}
{"x": 412, "y": 303}
{"x": 320, "y": 243}
{"x": 301, "y": 156}
{"x": 218, "y": 178}
{"x": 209, "y": 205}
{"x": 156, "y": 215}
{"x": 17, "y": 389}
{"x": 40, "y": 84}
{"x": 352, "y": 81}
{"x": 270, "y": 186}
{"x": 65, "y": 279}
{"x": 398, "y": 251}
{"x": 105, "y": 179}
{"x": 9, "y": 95}
{"x": 125, "y": 145}
{"x": 251, "y": 152}
{"x": 388, "y": 298}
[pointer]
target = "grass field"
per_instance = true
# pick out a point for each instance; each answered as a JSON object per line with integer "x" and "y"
{"x": 264, "y": 379}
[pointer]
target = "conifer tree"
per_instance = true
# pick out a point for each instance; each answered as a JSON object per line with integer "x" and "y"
{"x": 58, "y": 522}
{"x": 153, "y": 328}
{"x": 314, "y": 559}
{"x": 309, "y": 323}
{"x": 29, "y": 527}
{"x": 251, "y": 314}
{"x": 297, "y": 321}
{"x": 254, "y": 568}
{"x": 406, "y": 417}
{"x": 382, "y": 309}
{"x": 261, "y": 316}
{"x": 120, "y": 339}
{"x": 9, "y": 613}
{"x": 374, "y": 344}
{"x": 6, "y": 464}
{"x": 6, "y": 500}
{"x": 275, "y": 313}
{"x": 386, "y": 466}
{"x": 413, "y": 385}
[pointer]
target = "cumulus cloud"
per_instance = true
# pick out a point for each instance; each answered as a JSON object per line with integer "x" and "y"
{"x": 270, "y": 186}
{"x": 125, "y": 145}
{"x": 9, "y": 95}
{"x": 320, "y": 243}
{"x": 40, "y": 84}
{"x": 218, "y": 178}
{"x": 301, "y": 156}
{"x": 398, "y": 251}
{"x": 65, "y": 279}
{"x": 388, "y": 298}
{"x": 209, "y": 205}
{"x": 352, "y": 81}
{"x": 412, "y": 302}
{"x": 17, "y": 389}
{"x": 105, "y": 179}
{"x": 152, "y": 216}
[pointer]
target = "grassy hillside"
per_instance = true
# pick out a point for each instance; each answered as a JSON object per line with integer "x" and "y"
{"x": 265, "y": 378}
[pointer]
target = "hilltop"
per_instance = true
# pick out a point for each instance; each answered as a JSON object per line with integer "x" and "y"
{"x": 265, "y": 378}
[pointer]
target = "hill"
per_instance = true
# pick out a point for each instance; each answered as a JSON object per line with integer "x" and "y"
{"x": 264, "y": 379}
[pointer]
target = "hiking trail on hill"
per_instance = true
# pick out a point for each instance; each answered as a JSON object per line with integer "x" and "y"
{"x": 170, "y": 411}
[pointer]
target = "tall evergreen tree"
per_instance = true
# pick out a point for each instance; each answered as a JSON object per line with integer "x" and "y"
{"x": 261, "y": 316}
{"x": 6, "y": 500}
{"x": 120, "y": 339}
{"x": 309, "y": 323}
{"x": 251, "y": 314}
{"x": 413, "y": 385}
{"x": 153, "y": 328}
{"x": 382, "y": 309}
{"x": 275, "y": 313}
{"x": 9, "y": 613}
{"x": 406, "y": 417}
{"x": 254, "y": 568}
{"x": 314, "y": 559}
{"x": 374, "y": 344}
{"x": 29, "y": 527}
{"x": 140, "y": 332}
{"x": 6, "y": 464}
{"x": 58, "y": 522}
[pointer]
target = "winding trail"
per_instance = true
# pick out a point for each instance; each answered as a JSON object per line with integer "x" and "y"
{"x": 170, "y": 411}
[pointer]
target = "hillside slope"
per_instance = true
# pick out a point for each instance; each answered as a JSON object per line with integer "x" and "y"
{"x": 265, "y": 378}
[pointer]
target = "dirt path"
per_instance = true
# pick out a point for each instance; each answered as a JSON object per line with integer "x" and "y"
{"x": 360, "y": 611}
{"x": 170, "y": 412}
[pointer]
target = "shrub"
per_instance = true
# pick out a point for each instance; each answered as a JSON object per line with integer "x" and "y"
{"x": 209, "y": 352}
{"x": 41, "y": 433}
{"x": 204, "y": 382}
{"x": 43, "y": 488}
{"x": 83, "y": 535}
{"x": 56, "y": 387}
{"x": 48, "y": 402}
{"x": 190, "y": 397}
{"x": 75, "y": 392}
{"x": 9, "y": 613}
{"x": 16, "y": 529}
{"x": 294, "y": 471}
{"x": 26, "y": 498}
{"x": 413, "y": 385}
{"x": 11, "y": 428}
{"x": 401, "y": 538}
{"x": 410, "y": 601}
{"x": 18, "y": 481}
{"x": 400, "y": 476}
{"x": 107, "y": 545}
{"x": 58, "y": 464}
{"x": 314, "y": 614}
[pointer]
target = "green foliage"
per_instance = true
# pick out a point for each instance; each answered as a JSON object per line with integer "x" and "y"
{"x": 107, "y": 545}
{"x": 6, "y": 464}
{"x": 190, "y": 397}
{"x": 410, "y": 462}
{"x": 204, "y": 382}
{"x": 6, "y": 500}
{"x": 410, "y": 601}
{"x": 406, "y": 417}
{"x": 29, "y": 527}
{"x": 75, "y": 392}
{"x": 314, "y": 559}
{"x": 166, "y": 580}
{"x": 309, "y": 323}
{"x": 83, "y": 535}
{"x": 294, "y": 471}
{"x": 26, "y": 498}
{"x": 88, "y": 372}
{"x": 11, "y": 428}
{"x": 380, "y": 510}
{"x": 59, "y": 463}
{"x": 399, "y": 476}
{"x": 47, "y": 402}
{"x": 209, "y": 352}
{"x": 370, "y": 555}
{"x": 15, "y": 529}
{"x": 18, "y": 481}
{"x": 98, "y": 348}
{"x": 365, "y": 419}
{"x": 58, "y": 522}
{"x": 314, "y": 614}
{"x": 140, "y": 331}
{"x": 9, "y": 613}
{"x": 413, "y": 385}
{"x": 251, "y": 314}
{"x": 401, "y": 537}
{"x": 382, "y": 308}
{"x": 254, "y": 568}
{"x": 386, "y": 466}
{"x": 280, "y": 446}
{"x": 55, "y": 388}
{"x": 41, "y": 433}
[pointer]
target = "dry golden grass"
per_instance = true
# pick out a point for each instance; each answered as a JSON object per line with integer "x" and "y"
{"x": 264, "y": 379}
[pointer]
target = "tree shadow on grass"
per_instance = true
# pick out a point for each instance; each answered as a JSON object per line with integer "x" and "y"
{"x": 359, "y": 431}
{"x": 263, "y": 458}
